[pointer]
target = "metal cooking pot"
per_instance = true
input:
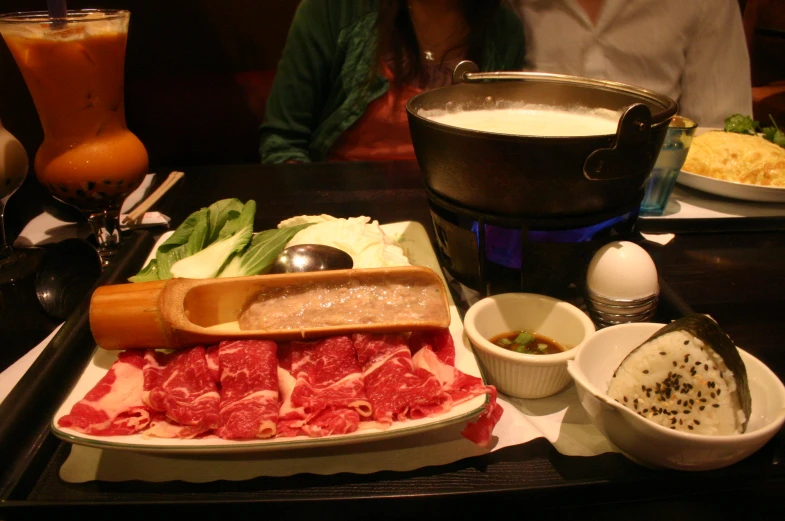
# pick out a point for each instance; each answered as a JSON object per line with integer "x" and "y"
{"x": 516, "y": 175}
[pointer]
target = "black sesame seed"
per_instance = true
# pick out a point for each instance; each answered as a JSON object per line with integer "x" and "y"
{"x": 663, "y": 353}
{"x": 645, "y": 371}
{"x": 705, "y": 367}
{"x": 713, "y": 395}
{"x": 702, "y": 407}
{"x": 686, "y": 411}
{"x": 698, "y": 362}
{"x": 625, "y": 399}
{"x": 696, "y": 422}
{"x": 715, "y": 405}
{"x": 673, "y": 420}
{"x": 699, "y": 394}
{"x": 675, "y": 363}
{"x": 719, "y": 391}
{"x": 686, "y": 342}
{"x": 690, "y": 427}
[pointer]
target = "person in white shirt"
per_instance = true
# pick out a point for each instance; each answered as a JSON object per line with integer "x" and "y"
{"x": 693, "y": 51}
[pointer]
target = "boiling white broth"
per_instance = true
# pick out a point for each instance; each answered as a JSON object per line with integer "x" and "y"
{"x": 531, "y": 121}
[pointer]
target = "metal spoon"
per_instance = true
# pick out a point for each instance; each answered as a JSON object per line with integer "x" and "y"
{"x": 68, "y": 272}
{"x": 311, "y": 257}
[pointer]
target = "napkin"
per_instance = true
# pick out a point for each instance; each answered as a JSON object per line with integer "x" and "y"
{"x": 559, "y": 418}
{"x": 47, "y": 229}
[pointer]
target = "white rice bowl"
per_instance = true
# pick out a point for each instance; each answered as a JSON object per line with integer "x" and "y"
{"x": 652, "y": 444}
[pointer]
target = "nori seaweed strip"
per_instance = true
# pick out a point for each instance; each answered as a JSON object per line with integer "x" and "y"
{"x": 709, "y": 332}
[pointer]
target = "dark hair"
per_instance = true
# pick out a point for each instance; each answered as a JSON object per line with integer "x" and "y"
{"x": 396, "y": 35}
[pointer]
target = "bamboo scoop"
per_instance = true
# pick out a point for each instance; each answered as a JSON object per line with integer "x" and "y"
{"x": 179, "y": 313}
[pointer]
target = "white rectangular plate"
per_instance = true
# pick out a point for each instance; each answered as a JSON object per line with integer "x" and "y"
{"x": 414, "y": 239}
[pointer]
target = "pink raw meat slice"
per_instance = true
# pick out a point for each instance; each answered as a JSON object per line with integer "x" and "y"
{"x": 181, "y": 385}
{"x": 290, "y": 417}
{"x": 433, "y": 351}
{"x": 329, "y": 388}
{"x": 249, "y": 389}
{"x": 393, "y": 388}
{"x": 114, "y": 405}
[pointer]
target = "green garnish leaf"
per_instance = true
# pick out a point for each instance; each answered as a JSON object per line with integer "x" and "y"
{"x": 774, "y": 134}
{"x": 524, "y": 338}
{"x": 741, "y": 124}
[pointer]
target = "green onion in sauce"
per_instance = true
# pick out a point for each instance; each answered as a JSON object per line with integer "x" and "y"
{"x": 527, "y": 343}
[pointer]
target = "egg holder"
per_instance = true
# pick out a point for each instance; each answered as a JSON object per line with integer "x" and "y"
{"x": 608, "y": 312}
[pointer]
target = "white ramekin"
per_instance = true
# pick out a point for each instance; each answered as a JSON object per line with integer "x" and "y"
{"x": 522, "y": 375}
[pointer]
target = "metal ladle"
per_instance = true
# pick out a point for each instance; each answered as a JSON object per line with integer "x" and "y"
{"x": 311, "y": 257}
{"x": 68, "y": 272}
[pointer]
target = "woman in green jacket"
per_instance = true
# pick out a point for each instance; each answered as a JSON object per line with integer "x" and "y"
{"x": 349, "y": 66}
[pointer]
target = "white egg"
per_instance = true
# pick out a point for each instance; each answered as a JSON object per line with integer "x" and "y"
{"x": 622, "y": 270}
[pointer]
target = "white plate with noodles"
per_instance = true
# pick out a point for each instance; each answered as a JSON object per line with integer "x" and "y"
{"x": 727, "y": 188}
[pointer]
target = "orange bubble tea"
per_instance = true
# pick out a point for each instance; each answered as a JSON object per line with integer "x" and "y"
{"x": 74, "y": 69}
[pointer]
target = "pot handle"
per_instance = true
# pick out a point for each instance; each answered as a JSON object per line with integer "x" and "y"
{"x": 631, "y": 151}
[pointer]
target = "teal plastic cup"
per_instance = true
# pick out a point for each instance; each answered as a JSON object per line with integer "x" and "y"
{"x": 660, "y": 183}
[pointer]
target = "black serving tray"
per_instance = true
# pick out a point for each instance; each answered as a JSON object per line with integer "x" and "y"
{"x": 534, "y": 473}
{"x": 25, "y": 414}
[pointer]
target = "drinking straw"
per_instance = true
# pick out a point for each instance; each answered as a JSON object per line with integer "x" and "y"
{"x": 57, "y": 8}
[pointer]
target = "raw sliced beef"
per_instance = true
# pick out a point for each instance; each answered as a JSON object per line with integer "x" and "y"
{"x": 290, "y": 417}
{"x": 329, "y": 391}
{"x": 162, "y": 427}
{"x": 395, "y": 391}
{"x": 181, "y": 385}
{"x": 433, "y": 351}
{"x": 440, "y": 341}
{"x": 249, "y": 389}
{"x": 114, "y": 405}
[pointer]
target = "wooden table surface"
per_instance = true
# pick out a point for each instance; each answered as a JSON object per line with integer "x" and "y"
{"x": 736, "y": 276}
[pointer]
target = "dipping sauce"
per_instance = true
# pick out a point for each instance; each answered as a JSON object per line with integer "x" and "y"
{"x": 532, "y": 121}
{"x": 527, "y": 343}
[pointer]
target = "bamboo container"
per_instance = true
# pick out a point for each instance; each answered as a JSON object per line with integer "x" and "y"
{"x": 179, "y": 313}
